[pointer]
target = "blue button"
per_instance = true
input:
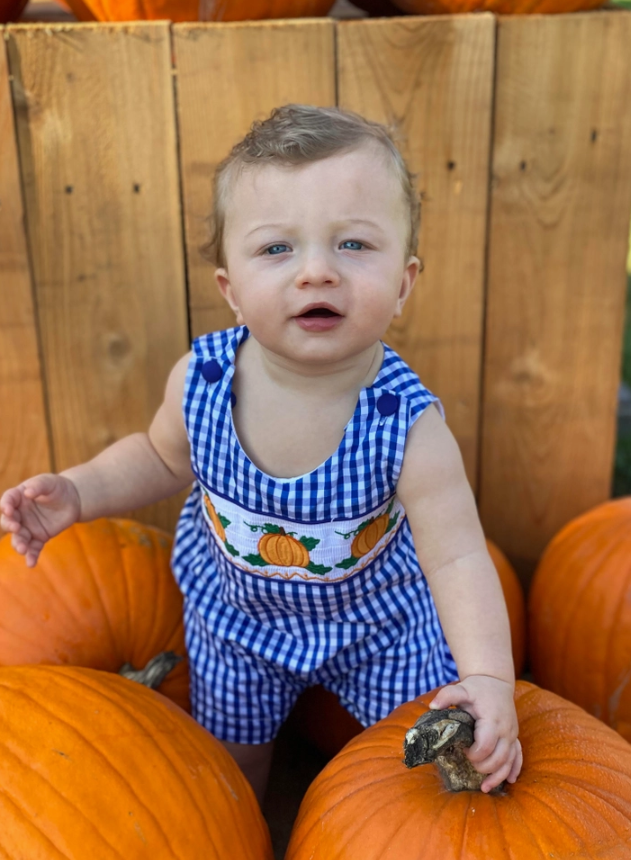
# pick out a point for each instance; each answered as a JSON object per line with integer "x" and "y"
{"x": 211, "y": 371}
{"x": 388, "y": 403}
{"x": 233, "y": 399}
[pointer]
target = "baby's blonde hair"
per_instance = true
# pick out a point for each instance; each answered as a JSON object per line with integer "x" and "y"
{"x": 299, "y": 134}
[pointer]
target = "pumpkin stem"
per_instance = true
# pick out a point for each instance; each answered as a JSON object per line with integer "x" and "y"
{"x": 154, "y": 672}
{"x": 443, "y": 737}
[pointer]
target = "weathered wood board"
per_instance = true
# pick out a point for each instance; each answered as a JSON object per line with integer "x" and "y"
{"x": 558, "y": 236}
{"x": 23, "y": 428}
{"x": 97, "y": 139}
{"x": 431, "y": 79}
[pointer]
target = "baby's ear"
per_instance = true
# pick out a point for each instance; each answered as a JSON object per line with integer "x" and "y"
{"x": 414, "y": 266}
{"x": 225, "y": 288}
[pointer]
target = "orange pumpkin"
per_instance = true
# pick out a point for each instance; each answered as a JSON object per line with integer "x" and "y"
{"x": 283, "y": 550}
{"x": 102, "y": 595}
{"x": 580, "y": 614}
{"x": 572, "y": 799}
{"x": 212, "y": 513}
{"x": 10, "y": 10}
{"x": 97, "y": 766}
{"x": 370, "y": 536}
{"x": 500, "y": 7}
{"x": 318, "y": 715}
{"x": 194, "y": 10}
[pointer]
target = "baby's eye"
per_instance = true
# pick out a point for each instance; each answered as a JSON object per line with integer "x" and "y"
{"x": 273, "y": 250}
{"x": 357, "y": 244}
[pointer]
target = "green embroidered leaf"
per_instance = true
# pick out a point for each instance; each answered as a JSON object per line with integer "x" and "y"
{"x": 348, "y": 562}
{"x": 392, "y": 522}
{"x": 271, "y": 529}
{"x": 309, "y": 543}
{"x": 389, "y": 508}
{"x": 223, "y": 520}
{"x": 320, "y": 569}
{"x": 230, "y": 548}
{"x": 255, "y": 560}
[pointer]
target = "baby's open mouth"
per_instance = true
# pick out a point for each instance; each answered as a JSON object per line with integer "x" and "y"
{"x": 319, "y": 312}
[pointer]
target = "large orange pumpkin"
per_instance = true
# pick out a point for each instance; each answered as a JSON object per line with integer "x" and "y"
{"x": 93, "y": 765}
{"x": 500, "y": 7}
{"x": 580, "y": 614}
{"x": 194, "y": 10}
{"x": 571, "y": 800}
{"x": 318, "y": 715}
{"x": 102, "y": 595}
{"x": 10, "y": 10}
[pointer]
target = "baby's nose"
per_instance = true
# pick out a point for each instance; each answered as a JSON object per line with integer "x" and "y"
{"x": 317, "y": 269}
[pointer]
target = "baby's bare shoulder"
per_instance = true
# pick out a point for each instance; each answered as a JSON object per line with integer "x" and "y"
{"x": 167, "y": 431}
{"x": 432, "y": 457}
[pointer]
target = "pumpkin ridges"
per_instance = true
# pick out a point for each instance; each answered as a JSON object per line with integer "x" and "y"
{"x": 569, "y": 733}
{"x": 134, "y": 715}
{"x": 581, "y": 586}
{"x": 100, "y": 707}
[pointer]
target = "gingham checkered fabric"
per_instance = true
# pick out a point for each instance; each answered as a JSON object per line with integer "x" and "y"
{"x": 268, "y": 609}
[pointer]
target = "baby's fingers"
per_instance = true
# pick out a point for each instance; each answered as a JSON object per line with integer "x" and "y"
{"x": 25, "y": 544}
{"x": 497, "y": 777}
{"x": 517, "y": 763}
{"x": 507, "y": 769}
{"x": 500, "y": 754}
{"x": 10, "y": 502}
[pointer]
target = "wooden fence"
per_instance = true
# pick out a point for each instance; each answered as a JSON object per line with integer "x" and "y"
{"x": 520, "y": 132}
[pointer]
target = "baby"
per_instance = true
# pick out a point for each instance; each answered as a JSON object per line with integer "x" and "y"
{"x": 331, "y": 536}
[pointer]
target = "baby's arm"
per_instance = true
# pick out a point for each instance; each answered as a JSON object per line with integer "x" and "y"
{"x": 451, "y": 548}
{"x": 137, "y": 470}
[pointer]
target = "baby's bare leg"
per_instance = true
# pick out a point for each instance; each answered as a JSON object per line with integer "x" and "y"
{"x": 254, "y": 760}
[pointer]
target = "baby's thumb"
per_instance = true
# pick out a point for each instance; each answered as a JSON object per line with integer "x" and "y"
{"x": 40, "y": 485}
{"x": 452, "y": 694}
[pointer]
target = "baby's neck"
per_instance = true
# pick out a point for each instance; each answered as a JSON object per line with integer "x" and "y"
{"x": 354, "y": 373}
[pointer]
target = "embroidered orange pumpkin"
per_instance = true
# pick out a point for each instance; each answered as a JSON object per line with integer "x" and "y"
{"x": 370, "y": 536}
{"x": 283, "y": 550}
{"x": 102, "y": 595}
{"x": 212, "y": 513}
{"x": 95, "y": 766}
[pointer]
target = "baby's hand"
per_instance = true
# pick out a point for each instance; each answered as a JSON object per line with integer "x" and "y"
{"x": 496, "y": 749}
{"x": 37, "y": 510}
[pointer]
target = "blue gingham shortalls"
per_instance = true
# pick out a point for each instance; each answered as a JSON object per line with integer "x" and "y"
{"x": 290, "y": 582}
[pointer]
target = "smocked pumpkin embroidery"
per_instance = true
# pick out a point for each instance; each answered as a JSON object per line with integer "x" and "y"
{"x": 220, "y": 523}
{"x": 367, "y": 535}
{"x": 282, "y": 549}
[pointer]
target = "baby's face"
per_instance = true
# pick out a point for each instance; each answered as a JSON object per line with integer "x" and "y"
{"x": 316, "y": 264}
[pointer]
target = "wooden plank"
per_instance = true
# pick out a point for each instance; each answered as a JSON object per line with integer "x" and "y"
{"x": 432, "y": 79}
{"x": 558, "y": 242}
{"x": 228, "y": 75}
{"x": 97, "y": 138}
{"x": 23, "y": 432}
